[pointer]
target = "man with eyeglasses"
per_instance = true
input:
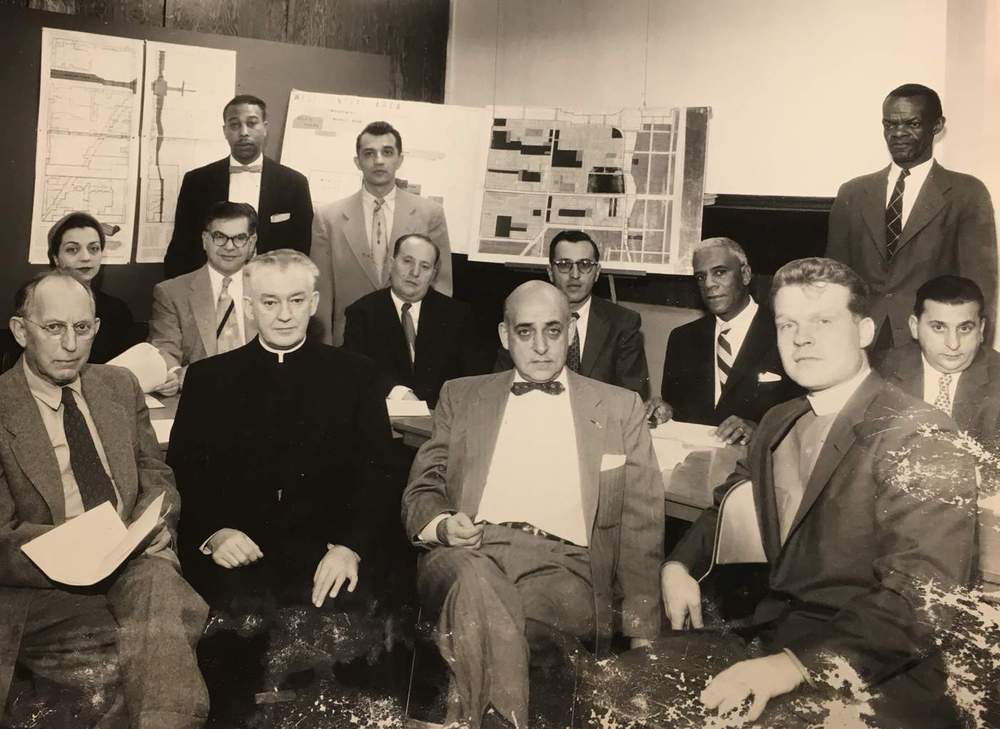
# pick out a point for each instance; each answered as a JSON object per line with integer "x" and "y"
{"x": 607, "y": 344}
{"x": 73, "y": 436}
{"x": 201, "y": 314}
{"x": 280, "y": 448}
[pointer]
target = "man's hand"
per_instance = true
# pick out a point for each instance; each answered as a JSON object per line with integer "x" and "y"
{"x": 339, "y": 565}
{"x": 764, "y": 678}
{"x": 171, "y": 386}
{"x": 458, "y": 531}
{"x": 658, "y": 411}
{"x": 681, "y": 596}
{"x": 232, "y": 548}
{"x": 735, "y": 431}
{"x": 160, "y": 541}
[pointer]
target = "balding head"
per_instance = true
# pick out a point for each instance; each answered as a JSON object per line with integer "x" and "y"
{"x": 536, "y": 330}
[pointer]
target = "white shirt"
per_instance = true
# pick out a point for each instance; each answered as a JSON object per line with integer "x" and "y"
{"x": 399, "y": 391}
{"x": 388, "y": 210}
{"x": 534, "y": 475}
{"x": 581, "y": 323}
{"x": 235, "y": 292}
{"x": 738, "y": 327}
{"x": 932, "y": 384}
{"x": 832, "y": 399}
{"x": 244, "y": 187}
{"x": 914, "y": 181}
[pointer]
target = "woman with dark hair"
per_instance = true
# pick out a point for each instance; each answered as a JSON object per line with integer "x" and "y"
{"x": 76, "y": 243}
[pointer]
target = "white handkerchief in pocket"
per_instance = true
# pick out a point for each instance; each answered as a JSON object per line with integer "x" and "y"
{"x": 281, "y": 217}
{"x": 610, "y": 461}
{"x": 768, "y": 377}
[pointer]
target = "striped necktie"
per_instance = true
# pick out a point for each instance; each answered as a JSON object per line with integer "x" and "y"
{"x": 894, "y": 215}
{"x": 723, "y": 357}
{"x": 380, "y": 245}
{"x": 227, "y": 333}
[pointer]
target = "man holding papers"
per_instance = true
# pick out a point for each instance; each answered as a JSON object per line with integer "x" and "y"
{"x": 73, "y": 437}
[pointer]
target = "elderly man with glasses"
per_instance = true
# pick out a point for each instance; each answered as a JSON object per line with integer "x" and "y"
{"x": 200, "y": 314}
{"x": 608, "y": 344}
{"x": 72, "y": 437}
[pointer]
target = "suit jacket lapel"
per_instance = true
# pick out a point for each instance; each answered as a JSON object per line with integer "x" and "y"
{"x": 268, "y": 185}
{"x": 203, "y": 308}
{"x": 31, "y": 445}
{"x": 219, "y": 181}
{"x": 357, "y": 238}
{"x": 971, "y": 388}
{"x": 588, "y": 421}
{"x": 764, "y": 496}
{"x": 109, "y": 419}
{"x": 481, "y": 438}
{"x": 598, "y": 328}
{"x": 873, "y": 210}
{"x": 930, "y": 200}
{"x": 406, "y": 207}
{"x": 910, "y": 376}
{"x": 394, "y": 329}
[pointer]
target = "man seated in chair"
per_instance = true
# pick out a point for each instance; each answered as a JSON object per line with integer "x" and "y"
{"x": 538, "y": 497}
{"x": 862, "y": 500}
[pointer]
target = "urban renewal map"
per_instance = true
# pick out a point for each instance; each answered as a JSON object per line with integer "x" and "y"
{"x": 634, "y": 180}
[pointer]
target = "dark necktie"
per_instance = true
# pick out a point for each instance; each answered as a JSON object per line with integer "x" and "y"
{"x": 91, "y": 478}
{"x": 553, "y": 387}
{"x": 573, "y": 355}
{"x": 894, "y": 215}
{"x": 409, "y": 331}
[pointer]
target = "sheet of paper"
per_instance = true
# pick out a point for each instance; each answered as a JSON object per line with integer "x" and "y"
{"x": 406, "y": 408}
{"x": 85, "y": 550}
{"x": 146, "y": 363}
{"x": 162, "y": 429}
{"x": 152, "y": 403}
{"x": 691, "y": 434}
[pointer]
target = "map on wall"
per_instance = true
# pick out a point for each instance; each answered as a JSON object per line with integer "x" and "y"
{"x": 444, "y": 151}
{"x": 87, "y": 149}
{"x": 186, "y": 87}
{"x": 634, "y": 180}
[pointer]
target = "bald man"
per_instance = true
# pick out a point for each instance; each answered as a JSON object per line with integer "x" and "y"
{"x": 546, "y": 498}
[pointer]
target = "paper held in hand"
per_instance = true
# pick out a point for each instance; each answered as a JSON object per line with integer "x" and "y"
{"x": 88, "y": 548}
{"x": 407, "y": 408}
{"x": 146, "y": 363}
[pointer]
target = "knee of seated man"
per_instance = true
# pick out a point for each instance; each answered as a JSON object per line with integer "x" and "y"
{"x": 152, "y": 583}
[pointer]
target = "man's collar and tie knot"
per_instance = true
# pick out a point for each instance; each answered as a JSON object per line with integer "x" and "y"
{"x": 552, "y": 387}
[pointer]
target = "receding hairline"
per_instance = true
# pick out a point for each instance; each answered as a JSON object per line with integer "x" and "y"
{"x": 540, "y": 289}
{"x": 53, "y": 275}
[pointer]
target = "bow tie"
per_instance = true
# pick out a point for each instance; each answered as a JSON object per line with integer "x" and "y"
{"x": 553, "y": 387}
{"x": 235, "y": 169}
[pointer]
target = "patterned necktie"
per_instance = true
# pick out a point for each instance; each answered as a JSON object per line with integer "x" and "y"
{"x": 723, "y": 357}
{"x": 894, "y": 215}
{"x": 227, "y": 331}
{"x": 573, "y": 355}
{"x": 91, "y": 478}
{"x": 380, "y": 246}
{"x": 553, "y": 387}
{"x": 943, "y": 399}
{"x": 409, "y": 331}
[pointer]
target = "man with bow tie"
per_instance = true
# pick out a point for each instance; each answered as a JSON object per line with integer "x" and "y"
{"x": 538, "y": 498}
{"x": 279, "y": 194}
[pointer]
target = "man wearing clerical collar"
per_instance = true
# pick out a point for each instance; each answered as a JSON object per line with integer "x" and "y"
{"x": 538, "y": 498}
{"x": 862, "y": 499}
{"x": 280, "y": 449}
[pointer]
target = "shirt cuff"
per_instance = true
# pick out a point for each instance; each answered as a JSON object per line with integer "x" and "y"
{"x": 798, "y": 665}
{"x": 428, "y": 534}
{"x": 204, "y": 549}
{"x": 399, "y": 392}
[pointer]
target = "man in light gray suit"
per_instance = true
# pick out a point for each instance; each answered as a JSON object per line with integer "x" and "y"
{"x": 539, "y": 499}
{"x": 200, "y": 314}
{"x": 352, "y": 238}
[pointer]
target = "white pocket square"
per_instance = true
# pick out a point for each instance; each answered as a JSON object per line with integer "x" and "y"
{"x": 768, "y": 377}
{"x": 281, "y": 217}
{"x": 610, "y": 461}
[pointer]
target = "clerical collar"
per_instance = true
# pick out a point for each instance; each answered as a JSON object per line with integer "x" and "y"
{"x": 832, "y": 399}
{"x": 233, "y": 162}
{"x": 280, "y": 352}
{"x": 45, "y": 391}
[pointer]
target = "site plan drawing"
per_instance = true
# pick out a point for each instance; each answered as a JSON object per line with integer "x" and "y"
{"x": 444, "y": 151}
{"x": 181, "y": 130}
{"x": 634, "y": 180}
{"x": 87, "y": 149}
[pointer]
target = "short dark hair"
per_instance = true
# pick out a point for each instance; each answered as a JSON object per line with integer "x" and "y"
{"x": 377, "y": 129}
{"x": 572, "y": 236}
{"x": 78, "y": 219}
{"x": 26, "y": 293}
{"x": 249, "y": 99}
{"x": 907, "y": 91}
{"x": 822, "y": 271}
{"x": 949, "y": 289}
{"x": 226, "y": 210}
{"x": 418, "y": 236}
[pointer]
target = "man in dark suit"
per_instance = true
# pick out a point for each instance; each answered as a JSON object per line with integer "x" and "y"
{"x": 913, "y": 220}
{"x": 608, "y": 344}
{"x": 539, "y": 498}
{"x": 723, "y": 369}
{"x": 863, "y": 502}
{"x": 948, "y": 365}
{"x": 73, "y": 436}
{"x": 279, "y": 194}
{"x": 418, "y": 337}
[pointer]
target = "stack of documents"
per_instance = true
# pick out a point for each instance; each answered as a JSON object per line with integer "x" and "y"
{"x": 146, "y": 363}
{"x": 406, "y": 408}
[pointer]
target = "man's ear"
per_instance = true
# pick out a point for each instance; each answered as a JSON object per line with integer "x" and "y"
{"x": 313, "y": 303}
{"x": 939, "y": 125}
{"x": 551, "y": 273}
{"x": 248, "y": 308}
{"x": 17, "y": 328}
{"x": 206, "y": 240}
{"x": 746, "y": 275}
{"x": 502, "y": 328}
{"x": 866, "y": 331}
{"x": 914, "y": 325}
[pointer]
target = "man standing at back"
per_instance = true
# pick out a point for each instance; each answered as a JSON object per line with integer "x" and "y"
{"x": 278, "y": 194}
{"x": 352, "y": 238}
{"x": 913, "y": 220}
